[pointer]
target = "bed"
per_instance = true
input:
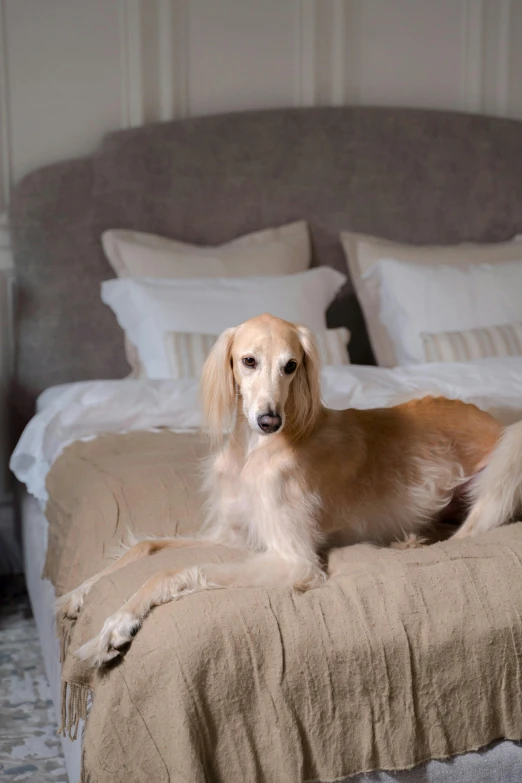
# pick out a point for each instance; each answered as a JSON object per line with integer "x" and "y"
{"x": 410, "y": 176}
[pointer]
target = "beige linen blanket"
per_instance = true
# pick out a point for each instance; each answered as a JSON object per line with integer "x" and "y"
{"x": 398, "y": 658}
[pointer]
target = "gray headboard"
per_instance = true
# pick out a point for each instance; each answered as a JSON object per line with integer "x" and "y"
{"x": 416, "y": 176}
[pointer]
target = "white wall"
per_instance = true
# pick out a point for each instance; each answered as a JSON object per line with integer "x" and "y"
{"x": 72, "y": 69}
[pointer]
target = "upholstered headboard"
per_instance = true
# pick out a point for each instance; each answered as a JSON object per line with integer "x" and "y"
{"x": 415, "y": 176}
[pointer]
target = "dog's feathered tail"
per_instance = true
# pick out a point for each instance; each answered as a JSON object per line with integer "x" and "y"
{"x": 496, "y": 492}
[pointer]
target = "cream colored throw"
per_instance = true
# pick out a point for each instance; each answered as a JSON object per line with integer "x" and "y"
{"x": 398, "y": 658}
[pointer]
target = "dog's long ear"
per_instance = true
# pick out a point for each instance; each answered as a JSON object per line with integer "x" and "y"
{"x": 218, "y": 392}
{"x": 306, "y": 388}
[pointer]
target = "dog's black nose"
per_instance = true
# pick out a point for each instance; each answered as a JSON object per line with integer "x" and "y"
{"x": 269, "y": 422}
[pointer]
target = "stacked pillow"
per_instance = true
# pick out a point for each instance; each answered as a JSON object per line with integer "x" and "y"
{"x": 173, "y": 299}
{"x": 425, "y": 303}
{"x": 272, "y": 251}
{"x": 420, "y": 303}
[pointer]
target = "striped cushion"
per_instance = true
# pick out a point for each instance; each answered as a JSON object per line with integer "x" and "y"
{"x": 332, "y": 345}
{"x": 504, "y": 340}
{"x": 187, "y": 352}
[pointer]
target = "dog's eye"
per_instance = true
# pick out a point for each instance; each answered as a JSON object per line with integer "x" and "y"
{"x": 249, "y": 361}
{"x": 290, "y": 367}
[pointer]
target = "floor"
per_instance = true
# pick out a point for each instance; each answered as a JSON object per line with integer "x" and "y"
{"x": 29, "y": 747}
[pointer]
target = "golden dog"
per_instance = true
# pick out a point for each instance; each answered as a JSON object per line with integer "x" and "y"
{"x": 291, "y": 477}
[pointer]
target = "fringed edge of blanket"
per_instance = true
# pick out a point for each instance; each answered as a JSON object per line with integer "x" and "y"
{"x": 75, "y": 702}
{"x": 74, "y": 706}
{"x": 64, "y": 628}
{"x": 74, "y": 698}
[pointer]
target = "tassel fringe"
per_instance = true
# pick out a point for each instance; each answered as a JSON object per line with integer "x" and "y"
{"x": 74, "y": 706}
{"x": 64, "y": 628}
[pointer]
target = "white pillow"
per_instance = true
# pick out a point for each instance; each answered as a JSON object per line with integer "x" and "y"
{"x": 272, "y": 251}
{"x": 429, "y": 299}
{"x": 363, "y": 251}
{"x": 148, "y": 308}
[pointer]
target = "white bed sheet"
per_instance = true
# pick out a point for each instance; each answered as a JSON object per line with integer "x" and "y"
{"x": 84, "y": 410}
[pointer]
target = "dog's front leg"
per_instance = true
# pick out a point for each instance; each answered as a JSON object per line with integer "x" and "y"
{"x": 287, "y": 526}
{"x": 265, "y": 569}
{"x": 71, "y": 603}
{"x": 284, "y": 528}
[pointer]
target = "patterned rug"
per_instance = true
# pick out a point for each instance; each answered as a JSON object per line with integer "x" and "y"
{"x": 29, "y": 747}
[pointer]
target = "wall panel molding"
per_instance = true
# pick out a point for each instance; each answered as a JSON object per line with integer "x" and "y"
{"x": 167, "y": 47}
{"x": 472, "y": 49}
{"x": 173, "y": 35}
{"x": 6, "y": 162}
{"x": 306, "y": 52}
{"x": 496, "y": 56}
{"x": 131, "y": 43}
{"x": 327, "y": 70}
{"x": 6, "y": 257}
{"x": 492, "y": 57}
{"x": 503, "y": 58}
{"x": 352, "y": 42}
{"x": 338, "y": 52}
{"x": 332, "y": 59}
{"x": 154, "y": 38}
{"x": 514, "y": 107}
{"x": 181, "y": 43}
{"x": 328, "y": 41}
{"x": 324, "y": 45}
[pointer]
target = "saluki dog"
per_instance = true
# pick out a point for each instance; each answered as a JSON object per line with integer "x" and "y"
{"x": 290, "y": 477}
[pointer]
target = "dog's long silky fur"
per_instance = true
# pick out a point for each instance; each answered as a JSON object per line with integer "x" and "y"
{"x": 322, "y": 477}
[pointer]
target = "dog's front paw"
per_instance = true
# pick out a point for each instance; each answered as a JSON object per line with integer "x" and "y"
{"x": 71, "y": 604}
{"x": 117, "y": 632}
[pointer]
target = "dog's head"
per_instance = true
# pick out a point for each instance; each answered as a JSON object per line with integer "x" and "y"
{"x": 268, "y": 370}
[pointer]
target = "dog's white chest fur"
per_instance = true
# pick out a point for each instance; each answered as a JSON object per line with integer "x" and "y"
{"x": 247, "y": 491}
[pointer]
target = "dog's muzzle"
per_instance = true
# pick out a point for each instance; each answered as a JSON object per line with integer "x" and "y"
{"x": 269, "y": 422}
